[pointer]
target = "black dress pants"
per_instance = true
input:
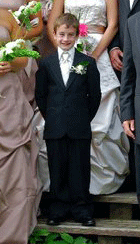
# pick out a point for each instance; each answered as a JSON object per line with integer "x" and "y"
{"x": 137, "y": 165}
{"x": 69, "y": 166}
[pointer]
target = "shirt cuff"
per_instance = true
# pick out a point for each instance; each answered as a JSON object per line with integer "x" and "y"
{"x": 114, "y": 49}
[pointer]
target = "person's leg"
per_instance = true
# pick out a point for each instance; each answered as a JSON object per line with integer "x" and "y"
{"x": 79, "y": 169}
{"x": 57, "y": 161}
{"x": 79, "y": 180}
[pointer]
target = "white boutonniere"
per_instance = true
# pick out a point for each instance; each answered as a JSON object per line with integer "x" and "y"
{"x": 80, "y": 68}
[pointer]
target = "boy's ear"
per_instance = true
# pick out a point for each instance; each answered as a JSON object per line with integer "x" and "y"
{"x": 54, "y": 35}
{"x": 77, "y": 36}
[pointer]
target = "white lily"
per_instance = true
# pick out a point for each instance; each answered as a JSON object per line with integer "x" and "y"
{"x": 10, "y": 45}
{"x": 8, "y": 51}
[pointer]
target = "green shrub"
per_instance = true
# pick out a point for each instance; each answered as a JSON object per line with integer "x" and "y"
{"x": 43, "y": 236}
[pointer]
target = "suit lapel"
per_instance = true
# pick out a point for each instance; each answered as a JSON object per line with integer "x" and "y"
{"x": 137, "y": 28}
{"x": 73, "y": 74}
{"x": 135, "y": 2}
{"x": 56, "y": 70}
{"x": 127, "y": 5}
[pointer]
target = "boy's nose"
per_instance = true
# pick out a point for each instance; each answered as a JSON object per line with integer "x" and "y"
{"x": 66, "y": 37}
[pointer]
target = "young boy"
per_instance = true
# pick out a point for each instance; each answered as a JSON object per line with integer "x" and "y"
{"x": 68, "y": 96}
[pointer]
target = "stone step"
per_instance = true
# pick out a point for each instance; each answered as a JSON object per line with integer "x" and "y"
{"x": 111, "y": 230}
{"x": 127, "y": 198}
{"x": 121, "y": 205}
{"x": 104, "y": 227}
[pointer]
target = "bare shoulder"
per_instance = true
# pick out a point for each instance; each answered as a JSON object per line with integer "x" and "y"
{"x": 6, "y": 19}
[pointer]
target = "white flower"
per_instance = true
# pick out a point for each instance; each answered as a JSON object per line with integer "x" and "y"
{"x": 80, "y": 68}
{"x": 18, "y": 12}
{"x": 21, "y": 8}
{"x": 10, "y": 45}
{"x": 18, "y": 42}
{"x": 31, "y": 4}
{"x": 8, "y": 51}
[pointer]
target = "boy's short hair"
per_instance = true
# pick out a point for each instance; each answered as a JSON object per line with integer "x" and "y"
{"x": 67, "y": 19}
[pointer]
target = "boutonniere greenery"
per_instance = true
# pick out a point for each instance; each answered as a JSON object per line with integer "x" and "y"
{"x": 80, "y": 68}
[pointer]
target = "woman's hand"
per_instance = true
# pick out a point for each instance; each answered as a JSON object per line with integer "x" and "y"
{"x": 13, "y": 66}
{"x": 5, "y": 67}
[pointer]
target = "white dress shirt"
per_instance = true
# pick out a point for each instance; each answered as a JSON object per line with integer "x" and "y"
{"x": 65, "y": 74}
{"x": 131, "y": 3}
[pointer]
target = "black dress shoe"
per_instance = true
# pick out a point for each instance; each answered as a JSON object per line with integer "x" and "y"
{"x": 90, "y": 222}
{"x": 82, "y": 215}
{"x": 54, "y": 221}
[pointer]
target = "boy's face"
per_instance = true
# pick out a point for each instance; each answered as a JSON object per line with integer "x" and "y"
{"x": 65, "y": 37}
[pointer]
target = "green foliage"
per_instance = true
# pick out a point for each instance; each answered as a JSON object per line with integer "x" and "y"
{"x": 67, "y": 237}
{"x": 84, "y": 45}
{"x": 43, "y": 236}
{"x": 25, "y": 14}
{"x": 19, "y": 53}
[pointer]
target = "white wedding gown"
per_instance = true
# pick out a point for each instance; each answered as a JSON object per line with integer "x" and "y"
{"x": 109, "y": 146}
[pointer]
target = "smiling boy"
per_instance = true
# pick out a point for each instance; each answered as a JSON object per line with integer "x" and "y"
{"x": 68, "y": 101}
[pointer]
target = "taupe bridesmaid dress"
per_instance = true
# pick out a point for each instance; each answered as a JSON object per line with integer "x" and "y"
{"x": 18, "y": 153}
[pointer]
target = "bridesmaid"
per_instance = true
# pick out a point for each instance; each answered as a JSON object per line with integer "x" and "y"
{"x": 18, "y": 181}
{"x": 27, "y": 76}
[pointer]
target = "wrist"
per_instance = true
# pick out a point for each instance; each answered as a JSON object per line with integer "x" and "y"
{"x": 114, "y": 48}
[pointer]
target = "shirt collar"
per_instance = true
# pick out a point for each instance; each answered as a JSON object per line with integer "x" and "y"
{"x": 131, "y": 3}
{"x": 70, "y": 51}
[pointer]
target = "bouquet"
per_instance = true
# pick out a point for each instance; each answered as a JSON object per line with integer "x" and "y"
{"x": 15, "y": 49}
{"x": 23, "y": 14}
{"x": 84, "y": 43}
{"x": 18, "y": 48}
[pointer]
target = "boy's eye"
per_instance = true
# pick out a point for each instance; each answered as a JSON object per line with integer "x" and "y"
{"x": 61, "y": 34}
{"x": 71, "y": 34}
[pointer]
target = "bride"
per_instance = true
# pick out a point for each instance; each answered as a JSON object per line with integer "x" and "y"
{"x": 109, "y": 146}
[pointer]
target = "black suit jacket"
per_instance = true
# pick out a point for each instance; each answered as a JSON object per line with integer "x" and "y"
{"x": 130, "y": 86}
{"x": 67, "y": 110}
{"x": 124, "y": 13}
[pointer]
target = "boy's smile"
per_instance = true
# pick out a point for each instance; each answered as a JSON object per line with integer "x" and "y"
{"x": 65, "y": 37}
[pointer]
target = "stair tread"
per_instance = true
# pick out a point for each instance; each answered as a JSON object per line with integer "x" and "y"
{"x": 106, "y": 227}
{"x": 128, "y": 198}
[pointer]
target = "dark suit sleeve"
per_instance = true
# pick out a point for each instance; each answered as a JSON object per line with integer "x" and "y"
{"x": 115, "y": 42}
{"x": 41, "y": 88}
{"x": 94, "y": 91}
{"x": 128, "y": 80}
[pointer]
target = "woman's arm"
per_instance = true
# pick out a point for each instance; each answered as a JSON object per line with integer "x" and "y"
{"x": 9, "y": 22}
{"x": 111, "y": 30}
{"x": 57, "y": 9}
